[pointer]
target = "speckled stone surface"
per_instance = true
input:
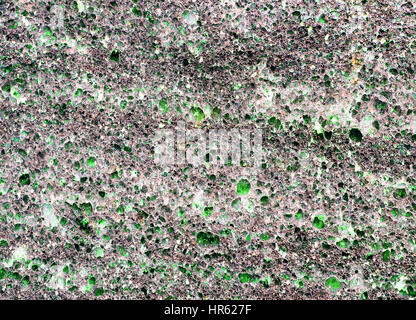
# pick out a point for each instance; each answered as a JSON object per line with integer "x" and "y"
{"x": 87, "y": 213}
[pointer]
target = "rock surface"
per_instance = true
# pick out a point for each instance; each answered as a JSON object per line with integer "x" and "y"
{"x": 86, "y": 211}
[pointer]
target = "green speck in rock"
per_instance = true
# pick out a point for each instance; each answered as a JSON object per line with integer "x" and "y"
{"x": 3, "y": 243}
{"x": 87, "y": 208}
{"x": 318, "y": 222}
{"x": 345, "y": 243}
{"x": 127, "y": 149}
{"x": 306, "y": 118}
{"x": 322, "y": 19}
{"x": 99, "y": 292}
{"x": 115, "y": 55}
{"x": 78, "y": 92}
{"x": 6, "y": 87}
{"x": 216, "y": 112}
{"x": 236, "y": 203}
{"x": 185, "y": 14}
{"x": 394, "y": 71}
{"x": 265, "y": 236}
{"x": 207, "y": 238}
{"x": 245, "y": 277}
{"x": 264, "y": 200}
{"x": 48, "y": 31}
{"x": 198, "y": 114}
{"x": 120, "y": 209}
{"x": 381, "y": 105}
{"x": 400, "y": 194}
{"x": 26, "y": 280}
{"x": 299, "y": 283}
{"x": 243, "y": 187}
{"x": 136, "y": 12}
{"x": 163, "y": 104}
{"x": 99, "y": 253}
{"x": 208, "y": 211}
{"x": 333, "y": 283}
{"x": 24, "y": 179}
{"x": 22, "y": 152}
{"x": 386, "y": 255}
{"x": 411, "y": 292}
{"x": 63, "y": 221}
{"x": 356, "y": 135}
{"x": 91, "y": 162}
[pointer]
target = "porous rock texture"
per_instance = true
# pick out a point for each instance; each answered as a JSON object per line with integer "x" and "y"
{"x": 86, "y": 211}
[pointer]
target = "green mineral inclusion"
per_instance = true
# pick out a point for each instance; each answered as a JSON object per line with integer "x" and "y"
{"x": 208, "y": 211}
{"x": 318, "y": 222}
{"x": 2, "y": 273}
{"x": 207, "y": 238}
{"x": 163, "y": 104}
{"x": 333, "y": 283}
{"x": 356, "y": 135}
{"x": 198, "y": 113}
{"x": 265, "y": 236}
{"x": 386, "y": 255}
{"x": 243, "y": 187}
{"x": 115, "y": 55}
{"x": 91, "y": 162}
{"x": 87, "y": 208}
{"x": 245, "y": 277}
{"x": 24, "y": 179}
